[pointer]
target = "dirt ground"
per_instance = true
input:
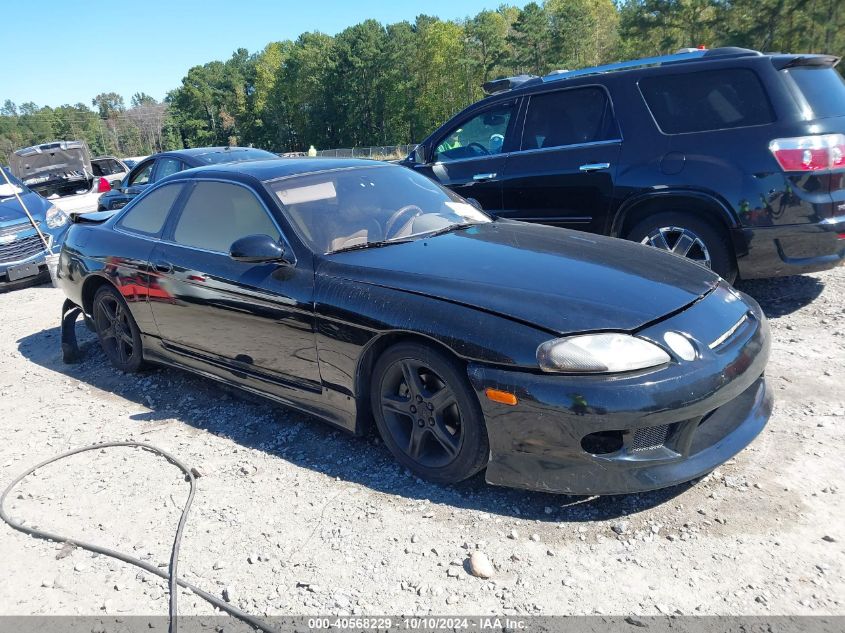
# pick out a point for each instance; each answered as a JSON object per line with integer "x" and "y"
{"x": 292, "y": 517}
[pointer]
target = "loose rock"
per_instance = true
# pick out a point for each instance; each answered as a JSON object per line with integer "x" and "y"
{"x": 480, "y": 566}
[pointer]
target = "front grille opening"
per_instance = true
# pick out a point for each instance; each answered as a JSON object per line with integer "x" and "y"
{"x": 602, "y": 442}
{"x": 649, "y": 438}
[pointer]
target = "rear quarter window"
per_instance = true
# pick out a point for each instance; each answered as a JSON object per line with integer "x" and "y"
{"x": 149, "y": 213}
{"x": 822, "y": 88}
{"x": 706, "y": 100}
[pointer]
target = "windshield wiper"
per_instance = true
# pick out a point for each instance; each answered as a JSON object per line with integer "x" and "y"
{"x": 375, "y": 244}
{"x": 452, "y": 227}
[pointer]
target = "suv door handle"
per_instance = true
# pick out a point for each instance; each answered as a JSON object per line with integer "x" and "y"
{"x": 163, "y": 267}
{"x": 594, "y": 166}
{"x": 488, "y": 176}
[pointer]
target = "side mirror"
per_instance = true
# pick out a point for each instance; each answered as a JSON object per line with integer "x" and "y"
{"x": 115, "y": 184}
{"x": 257, "y": 249}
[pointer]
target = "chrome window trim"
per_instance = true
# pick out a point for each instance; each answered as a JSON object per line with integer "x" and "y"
{"x": 565, "y": 147}
{"x": 465, "y": 160}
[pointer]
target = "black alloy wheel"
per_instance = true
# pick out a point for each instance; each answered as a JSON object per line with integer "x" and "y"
{"x": 427, "y": 414}
{"x": 119, "y": 335}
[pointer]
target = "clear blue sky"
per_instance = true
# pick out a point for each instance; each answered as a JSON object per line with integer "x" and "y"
{"x": 68, "y": 51}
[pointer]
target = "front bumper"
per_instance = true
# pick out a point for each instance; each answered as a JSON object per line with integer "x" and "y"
{"x": 774, "y": 251}
{"x": 626, "y": 433}
{"x": 26, "y": 247}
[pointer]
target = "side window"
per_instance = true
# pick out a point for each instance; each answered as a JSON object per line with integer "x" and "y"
{"x": 167, "y": 167}
{"x": 149, "y": 213}
{"x": 217, "y": 213}
{"x": 142, "y": 176}
{"x": 706, "y": 100}
{"x": 115, "y": 167}
{"x": 568, "y": 117}
{"x": 482, "y": 135}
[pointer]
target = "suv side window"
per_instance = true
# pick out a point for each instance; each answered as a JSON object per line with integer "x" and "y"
{"x": 149, "y": 213}
{"x": 482, "y": 135}
{"x": 217, "y": 214}
{"x": 706, "y": 100}
{"x": 568, "y": 117}
{"x": 142, "y": 176}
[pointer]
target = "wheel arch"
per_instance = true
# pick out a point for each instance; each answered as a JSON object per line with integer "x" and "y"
{"x": 366, "y": 362}
{"x": 704, "y": 205}
{"x": 89, "y": 288}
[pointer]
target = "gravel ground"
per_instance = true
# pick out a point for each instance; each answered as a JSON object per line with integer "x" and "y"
{"x": 292, "y": 517}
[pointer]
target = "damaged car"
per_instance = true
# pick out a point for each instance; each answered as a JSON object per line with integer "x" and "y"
{"x": 63, "y": 172}
{"x": 22, "y": 249}
{"x": 363, "y": 292}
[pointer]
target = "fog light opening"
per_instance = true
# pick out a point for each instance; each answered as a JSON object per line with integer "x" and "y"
{"x": 602, "y": 442}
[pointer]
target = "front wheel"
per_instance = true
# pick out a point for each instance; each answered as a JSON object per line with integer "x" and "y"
{"x": 427, "y": 414}
{"x": 688, "y": 236}
{"x": 119, "y": 335}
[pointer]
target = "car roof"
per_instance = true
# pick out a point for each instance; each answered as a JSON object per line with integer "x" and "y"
{"x": 272, "y": 169}
{"x": 196, "y": 152}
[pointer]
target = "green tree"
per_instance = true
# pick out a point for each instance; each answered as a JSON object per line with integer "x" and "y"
{"x": 530, "y": 39}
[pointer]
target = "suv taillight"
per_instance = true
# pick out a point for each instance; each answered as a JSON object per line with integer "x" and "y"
{"x": 103, "y": 186}
{"x": 810, "y": 153}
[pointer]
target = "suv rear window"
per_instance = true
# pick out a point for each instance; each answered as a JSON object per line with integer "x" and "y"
{"x": 823, "y": 88}
{"x": 707, "y": 100}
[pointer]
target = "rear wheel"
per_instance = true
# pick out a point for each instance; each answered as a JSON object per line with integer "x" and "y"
{"x": 687, "y": 236}
{"x": 427, "y": 414}
{"x": 119, "y": 335}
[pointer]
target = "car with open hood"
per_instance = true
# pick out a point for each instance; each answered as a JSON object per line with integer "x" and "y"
{"x": 22, "y": 249}
{"x": 363, "y": 292}
{"x": 64, "y": 173}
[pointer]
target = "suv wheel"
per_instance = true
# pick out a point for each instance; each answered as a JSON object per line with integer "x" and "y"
{"x": 690, "y": 237}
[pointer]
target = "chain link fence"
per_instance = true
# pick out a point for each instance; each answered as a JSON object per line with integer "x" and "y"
{"x": 378, "y": 152}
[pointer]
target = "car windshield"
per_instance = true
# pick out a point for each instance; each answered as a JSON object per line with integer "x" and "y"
{"x": 359, "y": 207}
{"x": 234, "y": 156}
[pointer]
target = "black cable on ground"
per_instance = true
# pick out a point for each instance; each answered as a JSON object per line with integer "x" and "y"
{"x": 170, "y": 575}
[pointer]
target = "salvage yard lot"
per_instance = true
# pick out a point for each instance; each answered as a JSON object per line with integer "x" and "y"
{"x": 293, "y": 517}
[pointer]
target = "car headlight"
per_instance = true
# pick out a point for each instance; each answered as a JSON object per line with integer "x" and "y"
{"x": 55, "y": 217}
{"x": 599, "y": 353}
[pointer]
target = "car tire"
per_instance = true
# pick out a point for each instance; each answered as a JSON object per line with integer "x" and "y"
{"x": 119, "y": 335}
{"x": 712, "y": 246}
{"x": 427, "y": 413}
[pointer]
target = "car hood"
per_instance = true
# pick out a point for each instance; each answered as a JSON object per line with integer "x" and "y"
{"x": 11, "y": 212}
{"x": 49, "y": 161}
{"x": 560, "y": 280}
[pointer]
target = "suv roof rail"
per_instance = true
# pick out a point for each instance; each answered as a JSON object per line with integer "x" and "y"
{"x": 506, "y": 83}
{"x": 683, "y": 55}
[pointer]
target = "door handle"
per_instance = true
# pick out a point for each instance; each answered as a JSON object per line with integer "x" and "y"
{"x": 594, "y": 166}
{"x": 488, "y": 176}
{"x": 163, "y": 267}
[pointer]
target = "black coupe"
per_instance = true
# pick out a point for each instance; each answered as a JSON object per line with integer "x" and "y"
{"x": 360, "y": 291}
